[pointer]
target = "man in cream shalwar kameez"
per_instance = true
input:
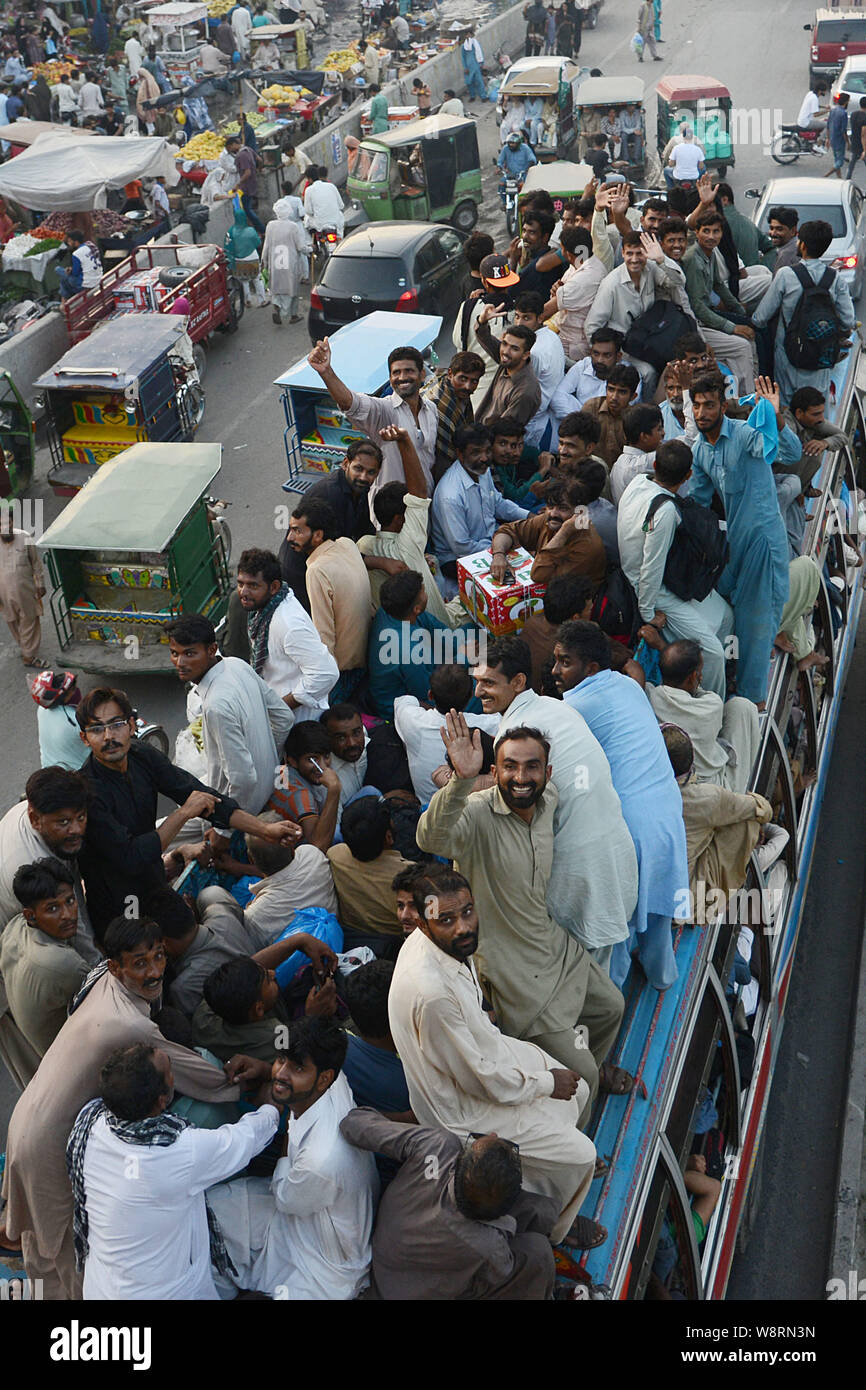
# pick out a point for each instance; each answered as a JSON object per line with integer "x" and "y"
{"x": 22, "y": 588}
{"x": 283, "y": 259}
{"x": 467, "y": 1077}
{"x": 35, "y": 1183}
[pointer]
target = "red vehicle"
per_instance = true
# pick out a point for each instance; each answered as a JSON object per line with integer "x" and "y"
{"x": 836, "y": 35}
{"x": 216, "y": 298}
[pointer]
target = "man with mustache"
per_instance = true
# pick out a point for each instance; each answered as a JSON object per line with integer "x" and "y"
{"x": 464, "y": 1074}
{"x": 122, "y": 859}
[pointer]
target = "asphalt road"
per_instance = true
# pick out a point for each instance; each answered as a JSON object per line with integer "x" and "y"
{"x": 764, "y": 72}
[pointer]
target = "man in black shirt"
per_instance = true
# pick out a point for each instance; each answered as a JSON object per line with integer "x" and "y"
{"x": 547, "y": 263}
{"x": 347, "y": 489}
{"x": 121, "y": 862}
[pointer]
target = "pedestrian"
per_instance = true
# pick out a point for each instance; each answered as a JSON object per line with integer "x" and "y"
{"x": 423, "y": 96}
{"x": 645, "y": 27}
{"x": 472, "y": 56}
{"x": 248, "y": 183}
{"x": 378, "y": 110}
{"x": 858, "y": 137}
{"x": 22, "y": 588}
{"x": 284, "y": 261}
{"x": 837, "y": 134}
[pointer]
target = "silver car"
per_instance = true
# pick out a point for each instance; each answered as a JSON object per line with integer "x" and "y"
{"x": 838, "y": 202}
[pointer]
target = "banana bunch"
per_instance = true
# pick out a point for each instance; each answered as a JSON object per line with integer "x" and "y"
{"x": 206, "y": 145}
{"x": 55, "y": 70}
{"x": 278, "y": 95}
{"x": 255, "y": 118}
{"x": 217, "y": 8}
{"x": 340, "y": 59}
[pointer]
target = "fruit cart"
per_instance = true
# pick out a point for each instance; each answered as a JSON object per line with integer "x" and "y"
{"x": 119, "y": 387}
{"x": 179, "y": 57}
{"x": 133, "y": 550}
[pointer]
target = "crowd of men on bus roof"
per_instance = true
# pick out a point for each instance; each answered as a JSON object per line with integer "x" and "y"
{"x": 411, "y": 942}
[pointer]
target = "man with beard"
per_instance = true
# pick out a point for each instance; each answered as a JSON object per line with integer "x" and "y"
{"x": 541, "y": 983}
{"x": 285, "y": 648}
{"x": 464, "y": 1074}
{"x": 782, "y": 229}
{"x": 347, "y": 489}
{"x": 562, "y": 538}
{"x": 22, "y": 588}
{"x": 452, "y": 394}
{"x": 49, "y": 823}
{"x": 348, "y": 741}
{"x": 122, "y": 859}
{"x": 112, "y": 1009}
{"x": 466, "y": 504}
{"x": 586, "y": 379}
{"x": 405, "y": 406}
{"x": 341, "y": 606}
{"x": 304, "y": 1233}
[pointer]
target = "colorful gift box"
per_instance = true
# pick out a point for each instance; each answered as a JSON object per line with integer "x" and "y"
{"x": 500, "y": 608}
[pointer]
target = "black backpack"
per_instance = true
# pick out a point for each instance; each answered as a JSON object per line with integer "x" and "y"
{"x": 814, "y": 334}
{"x": 699, "y": 550}
{"x": 653, "y": 336}
{"x": 615, "y": 607}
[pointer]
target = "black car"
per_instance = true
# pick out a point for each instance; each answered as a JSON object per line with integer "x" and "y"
{"x": 410, "y": 267}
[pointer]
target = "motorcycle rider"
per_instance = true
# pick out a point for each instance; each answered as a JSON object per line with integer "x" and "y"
{"x": 814, "y": 111}
{"x": 514, "y": 159}
{"x": 323, "y": 206}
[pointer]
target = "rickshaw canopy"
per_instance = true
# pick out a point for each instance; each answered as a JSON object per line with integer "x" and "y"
{"x": 559, "y": 178}
{"x": 532, "y": 75}
{"x": 610, "y": 91}
{"x": 691, "y": 88}
{"x": 115, "y": 355}
{"x": 428, "y": 128}
{"x": 359, "y": 350}
{"x": 136, "y": 501}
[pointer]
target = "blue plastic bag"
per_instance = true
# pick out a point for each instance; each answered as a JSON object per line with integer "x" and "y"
{"x": 320, "y": 924}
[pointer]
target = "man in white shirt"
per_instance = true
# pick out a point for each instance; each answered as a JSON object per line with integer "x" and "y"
{"x": 285, "y": 648}
{"x": 214, "y": 62}
{"x": 593, "y": 886}
{"x": 548, "y": 363}
{"x": 452, "y": 105}
{"x": 574, "y": 297}
{"x": 643, "y": 427}
{"x": 464, "y": 1075}
{"x": 150, "y": 1239}
{"x": 586, "y": 379}
{"x": 305, "y": 1233}
{"x": 405, "y": 408}
{"x": 643, "y": 555}
{"x": 134, "y": 55}
{"x": 808, "y": 118}
{"x": 90, "y": 99}
{"x": 687, "y": 158}
{"x": 67, "y": 102}
{"x": 420, "y": 726}
{"x": 400, "y": 26}
{"x": 323, "y": 206}
{"x": 348, "y": 739}
{"x": 725, "y": 734}
{"x": 298, "y": 876}
{"x": 242, "y": 23}
{"x": 244, "y": 721}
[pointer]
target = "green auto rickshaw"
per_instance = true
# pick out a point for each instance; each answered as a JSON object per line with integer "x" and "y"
{"x": 17, "y": 431}
{"x": 703, "y": 103}
{"x": 423, "y": 171}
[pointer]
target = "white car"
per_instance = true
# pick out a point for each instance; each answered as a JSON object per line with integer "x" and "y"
{"x": 838, "y": 202}
{"x": 852, "y": 79}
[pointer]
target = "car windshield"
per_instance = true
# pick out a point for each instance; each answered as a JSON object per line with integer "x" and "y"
{"x": 841, "y": 31}
{"x": 365, "y": 275}
{"x": 834, "y": 213}
{"x": 372, "y": 166}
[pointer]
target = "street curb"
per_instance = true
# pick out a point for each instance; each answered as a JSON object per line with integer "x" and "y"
{"x": 846, "y": 1221}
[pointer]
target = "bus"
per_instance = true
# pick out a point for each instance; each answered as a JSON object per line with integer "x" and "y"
{"x": 704, "y": 1066}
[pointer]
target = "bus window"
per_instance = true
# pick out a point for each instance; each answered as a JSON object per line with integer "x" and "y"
{"x": 665, "y": 1259}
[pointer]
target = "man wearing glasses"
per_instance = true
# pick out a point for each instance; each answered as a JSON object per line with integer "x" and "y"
{"x": 121, "y": 862}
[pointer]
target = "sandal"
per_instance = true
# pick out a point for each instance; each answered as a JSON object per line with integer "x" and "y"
{"x": 616, "y": 1081}
{"x": 584, "y": 1235}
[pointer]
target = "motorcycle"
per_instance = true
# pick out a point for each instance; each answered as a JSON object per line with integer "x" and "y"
{"x": 509, "y": 195}
{"x": 324, "y": 242}
{"x": 789, "y": 142}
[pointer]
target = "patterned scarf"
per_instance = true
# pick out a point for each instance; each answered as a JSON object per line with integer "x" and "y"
{"x": 259, "y": 625}
{"x": 90, "y": 980}
{"x": 157, "y": 1131}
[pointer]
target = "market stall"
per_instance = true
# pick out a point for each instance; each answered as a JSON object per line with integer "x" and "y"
{"x": 180, "y": 53}
{"x": 73, "y": 171}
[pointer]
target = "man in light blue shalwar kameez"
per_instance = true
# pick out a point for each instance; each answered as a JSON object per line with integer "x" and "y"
{"x": 621, "y": 718}
{"x": 732, "y": 458}
{"x": 784, "y": 294}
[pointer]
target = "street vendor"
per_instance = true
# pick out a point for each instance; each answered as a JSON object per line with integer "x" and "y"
{"x": 86, "y": 267}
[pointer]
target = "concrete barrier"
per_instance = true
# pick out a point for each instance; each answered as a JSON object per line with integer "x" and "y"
{"x": 32, "y": 351}
{"x": 506, "y": 30}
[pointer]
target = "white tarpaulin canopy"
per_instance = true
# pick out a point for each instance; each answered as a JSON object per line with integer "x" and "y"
{"x": 178, "y": 12}
{"x": 63, "y": 173}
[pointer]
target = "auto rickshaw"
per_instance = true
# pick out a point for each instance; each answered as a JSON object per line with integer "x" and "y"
{"x": 705, "y": 105}
{"x": 596, "y": 97}
{"x": 17, "y": 439}
{"x": 556, "y": 81}
{"x": 561, "y": 179}
{"x": 132, "y": 550}
{"x": 126, "y": 383}
{"x": 424, "y": 171}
